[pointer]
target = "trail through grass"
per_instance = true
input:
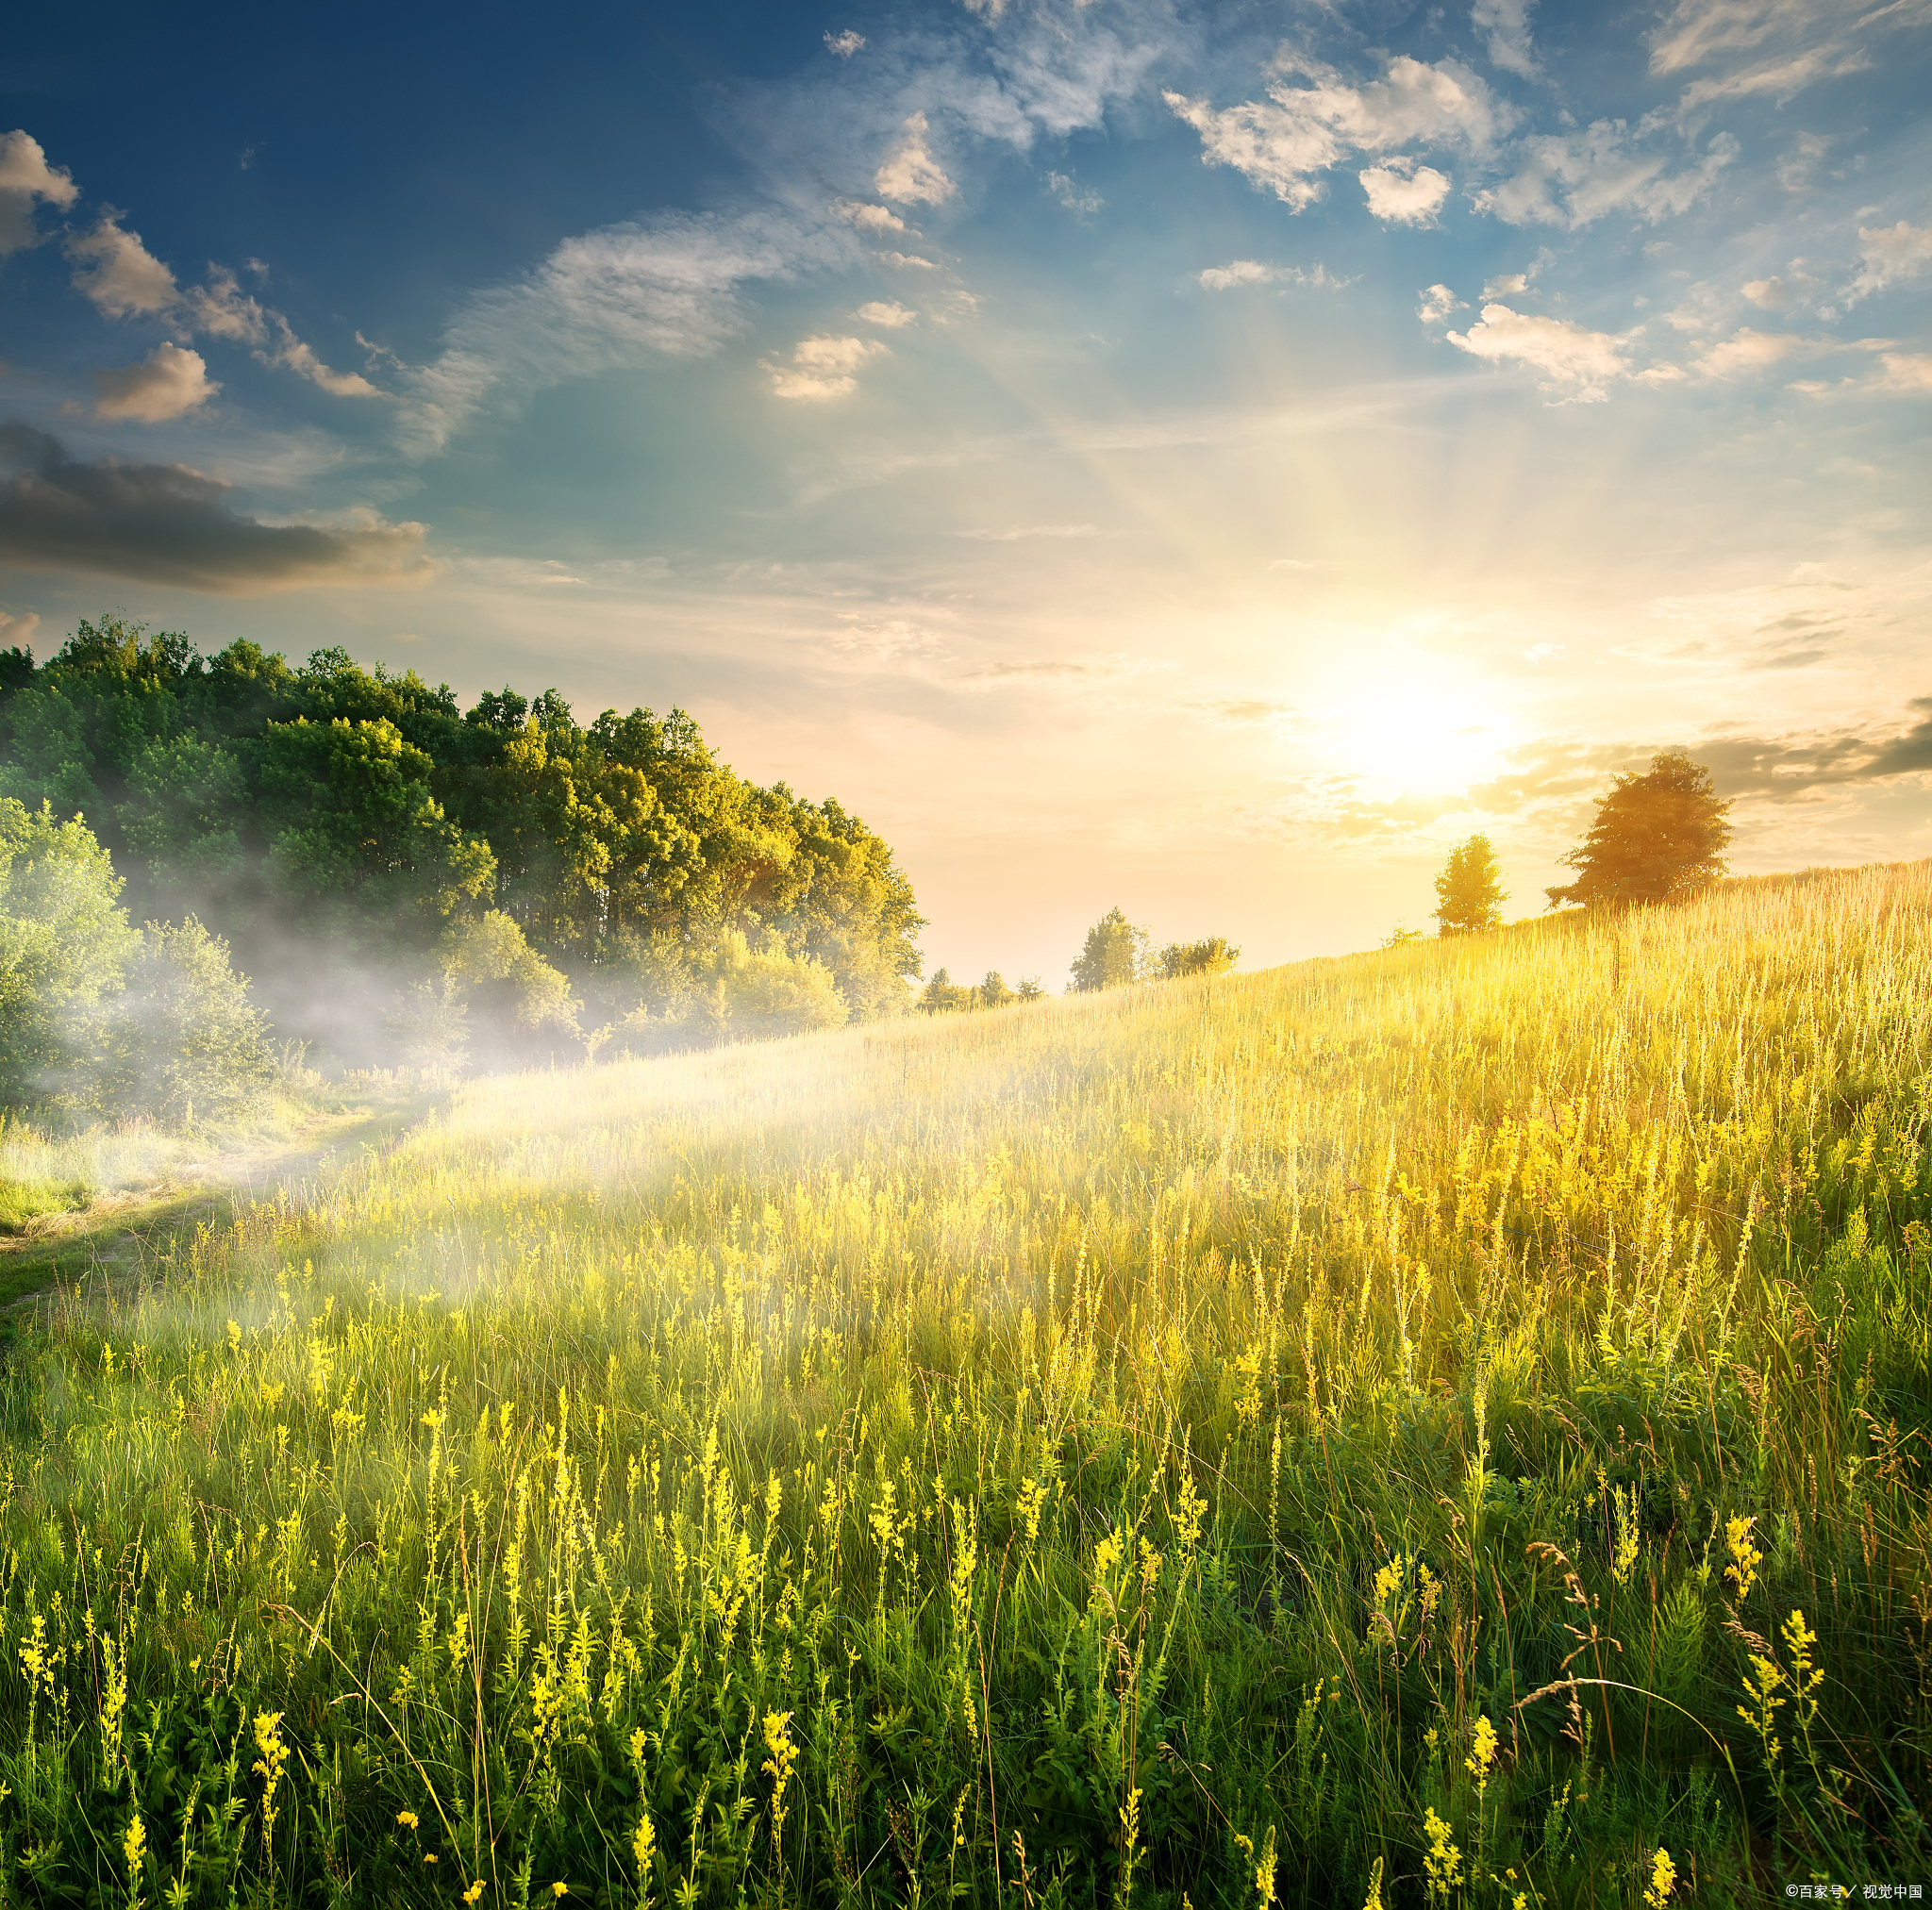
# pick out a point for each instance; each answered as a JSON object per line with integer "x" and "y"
{"x": 1446, "y": 1426}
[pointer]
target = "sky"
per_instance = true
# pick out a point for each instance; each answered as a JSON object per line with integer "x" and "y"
{"x": 1207, "y": 461}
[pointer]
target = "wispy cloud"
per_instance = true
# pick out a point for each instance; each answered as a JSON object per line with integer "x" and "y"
{"x": 1238, "y": 271}
{"x": 1574, "y": 179}
{"x": 1015, "y": 533}
{"x": 887, "y": 312}
{"x": 659, "y": 291}
{"x": 1081, "y": 201}
{"x": 1505, "y": 27}
{"x": 844, "y": 45}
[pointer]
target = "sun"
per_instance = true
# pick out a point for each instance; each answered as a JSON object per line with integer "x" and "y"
{"x": 1419, "y": 738}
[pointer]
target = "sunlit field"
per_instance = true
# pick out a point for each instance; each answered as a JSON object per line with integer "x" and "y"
{"x": 1446, "y": 1426}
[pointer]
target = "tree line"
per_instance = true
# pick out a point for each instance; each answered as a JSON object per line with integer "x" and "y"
{"x": 1655, "y": 837}
{"x": 392, "y": 865}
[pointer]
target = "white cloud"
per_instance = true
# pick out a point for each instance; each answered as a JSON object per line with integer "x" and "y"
{"x": 666, "y": 291}
{"x": 1081, "y": 201}
{"x": 1238, "y": 271}
{"x": 909, "y": 173}
{"x": 118, "y": 272}
{"x": 1401, "y": 192}
{"x": 869, "y": 218}
{"x": 301, "y": 358}
{"x": 1301, "y": 130}
{"x": 1769, "y": 294}
{"x": 908, "y": 262}
{"x": 1698, "y": 31}
{"x": 844, "y": 45}
{"x": 1505, "y": 24}
{"x": 1907, "y": 372}
{"x": 1575, "y": 178}
{"x": 822, "y": 368}
{"x": 1570, "y": 360}
{"x": 1252, "y": 272}
{"x": 1782, "y": 76}
{"x": 27, "y": 178}
{"x": 1748, "y": 351}
{"x": 1438, "y": 302}
{"x": 170, "y": 381}
{"x": 1888, "y": 253}
{"x": 1507, "y": 285}
{"x": 884, "y": 312}
{"x": 224, "y": 310}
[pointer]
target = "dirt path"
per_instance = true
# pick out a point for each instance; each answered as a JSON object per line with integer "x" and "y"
{"x": 99, "y": 1246}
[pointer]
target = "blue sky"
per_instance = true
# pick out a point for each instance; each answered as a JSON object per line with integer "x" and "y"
{"x": 1207, "y": 459}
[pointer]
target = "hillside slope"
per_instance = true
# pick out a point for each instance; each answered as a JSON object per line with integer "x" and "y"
{"x": 1448, "y": 1424}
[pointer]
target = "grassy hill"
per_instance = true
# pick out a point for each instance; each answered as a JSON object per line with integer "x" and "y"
{"x": 1441, "y": 1426}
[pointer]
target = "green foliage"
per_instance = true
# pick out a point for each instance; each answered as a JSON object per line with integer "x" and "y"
{"x": 183, "y": 1041}
{"x": 1469, "y": 891}
{"x": 1410, "y": 1430}
{"x": 1655, "y": 837}
{"x": 1114, "y": 953}
{"x": 1214, "y": 955}
{"x": 370, "y": 815}
{"x": 943, "y": 995}
{"x": 64, "y": 945}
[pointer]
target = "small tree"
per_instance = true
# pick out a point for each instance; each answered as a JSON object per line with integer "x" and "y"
{"x": 1115, "y": 954}
{"x": 1655, "y": 837}
{"x": 993, "y": 992}
{"x": 1469, "y": 897}
{"x": 1212, "y": 955}
{"x": 185, "y": 1042}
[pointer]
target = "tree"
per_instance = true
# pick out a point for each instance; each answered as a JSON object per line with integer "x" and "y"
{"x": 1655, "y": 837}
{"x": 1468, "y": 895}
{"x": 185, "y": 1040}
{"x": 64, "y": 945}
{"x": 1212, "y": 955}
{"x": 1115, "y": 954}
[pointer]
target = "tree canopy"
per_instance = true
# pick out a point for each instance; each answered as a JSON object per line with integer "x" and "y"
{"x": 1655, "y": 838}
{"x": 1114, "y": 953}
{"x": 325, "y": 810}
{"x": 1469, "y": 891}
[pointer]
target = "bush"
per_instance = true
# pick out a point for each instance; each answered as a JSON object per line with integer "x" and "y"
{"x": 183, "y": 1042}
{"x": 64, "y": 942}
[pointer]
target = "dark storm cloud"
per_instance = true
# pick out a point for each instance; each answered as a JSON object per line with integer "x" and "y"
{"x": 165, "y": 523}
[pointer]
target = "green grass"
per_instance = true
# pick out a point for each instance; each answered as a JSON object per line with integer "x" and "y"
{"x": 1365, "y": 1429}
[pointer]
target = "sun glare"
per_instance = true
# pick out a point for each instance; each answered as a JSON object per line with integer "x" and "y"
{"x": 1420, "y": 739}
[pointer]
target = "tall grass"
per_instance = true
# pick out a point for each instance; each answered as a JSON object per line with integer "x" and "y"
{"x": 1445, "y": 1426}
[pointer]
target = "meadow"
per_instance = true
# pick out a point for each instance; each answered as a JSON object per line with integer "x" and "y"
{"x": 1445, "y": 1426}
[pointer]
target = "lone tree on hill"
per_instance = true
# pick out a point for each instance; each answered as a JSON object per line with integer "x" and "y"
{"x": 1115, "y": 954}
{"x": 1656, "y": 838}
{"x": 1469, "y": 897}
